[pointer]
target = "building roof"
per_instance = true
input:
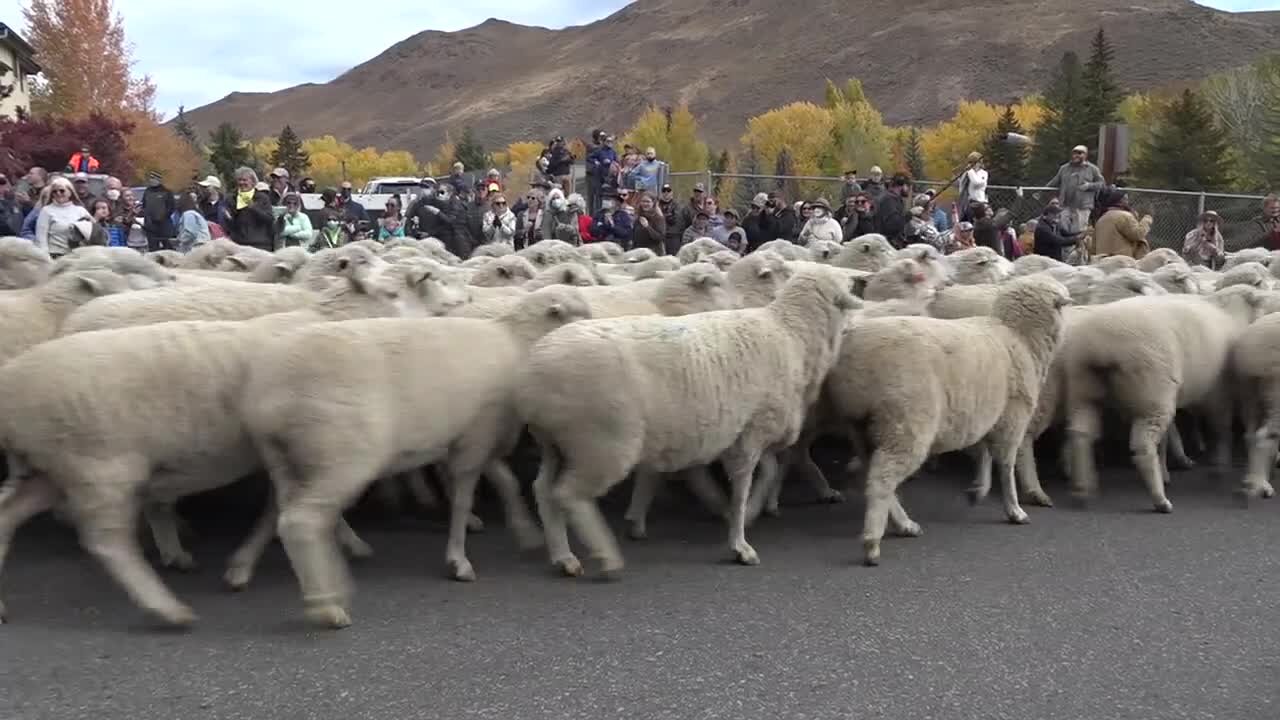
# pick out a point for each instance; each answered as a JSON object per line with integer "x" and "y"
{"x": 23, "y": 50}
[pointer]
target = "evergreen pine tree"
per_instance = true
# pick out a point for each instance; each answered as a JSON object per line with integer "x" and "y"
{"x": 228, "y": 151}
{"x": 289, "y": 153}
{"x": 913, "y": 155}
{"x": 1101, "y": 96}
{"x": 1064, "y": 125}
{"x": 1006, "y": 163}
{"x": 1187, "y": 150}
{"x": 183, "y": 129}
{"x": 472, "y": 154}
{"x": 718, "y": 165}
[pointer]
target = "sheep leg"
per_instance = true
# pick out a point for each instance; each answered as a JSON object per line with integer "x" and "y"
{"x": 521, "y": 523}
{"x": 1083, "y": 428}
{"x": 21, "y": 499}
{"x": 1219, "y": 415}
{"x": 765, "y": 490}
{"x": 887, "y": 468}
{"x": 981, "y": 486}
{"x": 740, "y": 463}
{"x": 554, "y": 528}
{"x": 244, "y": 561}
{"x": 704, "y": 487}
{"x": 106, "y": 513}
{"x": 1029, "y": 475}
{"x": 388, "y": 493}
{"x": 801, "y": 456}
{"x": 474, "y": 523}
{"x": 902, "y": 524}
{"x": 643, "y": 489}
{"x": 162, "y": 517}
{"x": 1176, "y": 451}
{"x": 575, "y": 494}
{"x": 463, "y": 480}
{"x": 1263, "y": 449}
{"x": 416, "y": 481}
{"x": 1143, "y": 439}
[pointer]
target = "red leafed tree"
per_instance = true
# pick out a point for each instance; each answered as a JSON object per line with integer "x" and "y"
{"x": 49, "y": 142}
{"x": 86, "y": 61}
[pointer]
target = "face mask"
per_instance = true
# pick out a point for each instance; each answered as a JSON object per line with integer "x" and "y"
{"x": 332, "y": 224}
{"x": 558, "y": 203}
{"x": 650, "y": 157}
{"x": 113, "y": 194}
{"x": 818, "y": 212}
{"x": 346, "y": 194}
{"x": 607, "y": 205}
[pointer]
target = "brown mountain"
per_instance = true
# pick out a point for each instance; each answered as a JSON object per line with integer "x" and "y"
{"x": 731, "y": 59}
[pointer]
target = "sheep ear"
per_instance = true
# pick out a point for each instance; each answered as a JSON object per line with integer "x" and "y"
{"x": 556, "y": 310}
{"x": 420, "y": 277}
{"x": 504, "y": 271}
{"x": 1060, "y": 301}
{"x": 765, "y": 272}
{"x": 343, "y": 263}
{"x": 706, "y": 280}
{"x": 91, "y": 284}
{"x": 866, "y": 247}
{"x": 284, "y": 270}
{"x": 859, "y": 286}
{"x": 238, "y": 261}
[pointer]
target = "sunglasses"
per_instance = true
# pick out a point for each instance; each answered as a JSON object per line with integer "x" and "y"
{"x": 4, "y": 181}
{"x": 58, "y": 191}
{"x": 501, "y": 204}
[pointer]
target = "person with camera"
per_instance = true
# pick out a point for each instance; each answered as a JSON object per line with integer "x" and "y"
{"x": 1051, "y": 240}
{"x": 861, "y": 220}
{"x": 560, "y": 164}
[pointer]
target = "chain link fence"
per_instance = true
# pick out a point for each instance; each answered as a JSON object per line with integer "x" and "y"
{"x": 1173, "y": 212}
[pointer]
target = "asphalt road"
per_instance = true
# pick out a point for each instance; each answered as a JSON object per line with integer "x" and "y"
{"x": 1110, "y": 613}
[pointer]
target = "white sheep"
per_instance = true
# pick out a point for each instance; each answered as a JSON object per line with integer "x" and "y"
{"x": 566, "y": 273}
{"x": 326, "y": 432}
{"x": 85, "y": 432}
{"x": 1256, "y": 376}
{"x": 1159, "y": 258}
{"x": 698, "y": 250}
{"x": 920, "y": 386}
{"x": 1253, "y": 274}
{"x": 22, "y": 264}
{"x": 757, "y": 278}
{"x": 283, "y": 267}
{"x": 976, "y": 266}
{"x": 902, "y": 279}
{"x": 869, "y": 252}
{"x": 649, "y": 269}
{"x": 1176, "y": 278}
{"x": 36, "y": 315}
{"x": 722, "y": 259}
{"x": 823, "y": 251}
{"x": 171, "y": 259}
{"x": 1111, "y": 263}
{"x": 607, "y": 252}
{"x": 140, "y": 272}
{"x": 1148, "y": 357}
{"x": 220, "y": 301}
{"x": 789, "y": 250}
{"x": 1258, "y": 255}
{"x": 245, "y": 259}
{"x": 208, "y": 256}
{"x": 493, "y": 249}
{"x": 504, "y": 271}
{"x": 963, "y": 301}
{"x": 1031, "y": 264}
{"x": 545, "y": 253}
{"x": 638, "y": 255}
{"x": 665, "y": 394}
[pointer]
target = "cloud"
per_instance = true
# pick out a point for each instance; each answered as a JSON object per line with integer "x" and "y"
{"x": 199, "y": 53}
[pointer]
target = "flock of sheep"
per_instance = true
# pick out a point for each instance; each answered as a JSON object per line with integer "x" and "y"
{"x": 130, "y": 381}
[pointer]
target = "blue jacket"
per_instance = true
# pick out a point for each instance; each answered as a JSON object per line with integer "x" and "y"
{"x": 619, "y": 231}
{"x": 941, "y": 220}
{"x": 29, "y": 224}
{"x": 599, "y": 160}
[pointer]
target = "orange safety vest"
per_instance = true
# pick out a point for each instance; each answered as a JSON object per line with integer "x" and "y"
{"x": 75, "y": 160}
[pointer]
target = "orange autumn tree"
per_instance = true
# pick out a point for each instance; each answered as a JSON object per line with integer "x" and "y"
{"x": 88, "y": 67}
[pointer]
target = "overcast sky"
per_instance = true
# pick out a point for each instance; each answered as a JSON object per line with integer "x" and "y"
{"x": 198, "y": 53}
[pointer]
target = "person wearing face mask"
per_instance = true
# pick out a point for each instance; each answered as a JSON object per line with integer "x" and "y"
{"x": 649, "y": 172}
{"x": 158, "y": 207}
{"x": 353, "y": 213}
{"x": 332, "y": 234}
{"x": 821, "y": 226}
{"x": 613, "y": 222}
{"x": 891, "y": 211}
{"x": 560, "y": 163}
{"x": 293, "y": 227}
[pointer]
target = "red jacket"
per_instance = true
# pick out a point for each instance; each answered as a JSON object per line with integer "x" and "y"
{"x": 584, "y": 228}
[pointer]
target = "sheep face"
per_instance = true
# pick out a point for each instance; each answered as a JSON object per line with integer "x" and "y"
{"x": 422, "y": 288}
{"x": 723, "y": 259}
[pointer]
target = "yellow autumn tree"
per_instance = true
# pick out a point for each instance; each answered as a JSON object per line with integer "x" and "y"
{"x": 803, "y": 129}
{"x": 947, "y": 144}
{"x": 859, "y": 136}
{"x": 673, "y": 133}
{"x": 520, "y": 157}
{"x": 152, "y": 147}
{"x": 1140, "y": 112}
{"x": 333, "y": 160}
{"x": 442, "y": 161}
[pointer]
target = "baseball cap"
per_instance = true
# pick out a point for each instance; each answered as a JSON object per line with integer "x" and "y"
{"x": 280, "y": 172}
{"x": 211, "y": 181}
{"x": 1079, "y": 148}
{"x": 699, "y": 187}
{"x": 666, "y": 188}
{"x": 964, "y": 226}
{"x": 730, "y": 211}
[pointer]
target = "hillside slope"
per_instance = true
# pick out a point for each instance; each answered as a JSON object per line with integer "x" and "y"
{"x": 731, "y": 59}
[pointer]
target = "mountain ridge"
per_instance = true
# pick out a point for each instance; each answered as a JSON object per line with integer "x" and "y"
{"x": 517, "y": 82}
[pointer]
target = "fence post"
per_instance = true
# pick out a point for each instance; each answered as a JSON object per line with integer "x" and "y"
{"x": 711, "y": 183}
{"x": 1201, "y": 211}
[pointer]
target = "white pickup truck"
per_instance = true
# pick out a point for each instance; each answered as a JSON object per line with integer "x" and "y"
{"x": 375, "y": 193}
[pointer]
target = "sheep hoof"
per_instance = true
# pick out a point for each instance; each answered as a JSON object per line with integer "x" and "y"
{"x": 1268, "y": 491}
{"x": 182, "y": 562}
{"x": 610, "y": 569}
{"x": 871, "y": 553}
{"x": 746, "y": 555}
{"x": 1039, "y": 498}
{"x": 831, "y": 497}
{"x": 462, "y": 571}
{"x": 1019, "y": 517}
{"x": 569, "y": 567}
{"x": 330, "y": 615}
{"x": 976, "y": 495}
{"x": 1182, "y": 463}
{"x": 178, "y": 616}
{"x": 3, "y": 615}
{"x": 854, "y": 466}
{"x": 637, "y": 531}
{"x": 772, "y": 511}
{"x": 474, "y": 524}
{"x": 1164, "y": 506}
{"x": 237, "y": 577}
{"x": 910, "y": 529}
